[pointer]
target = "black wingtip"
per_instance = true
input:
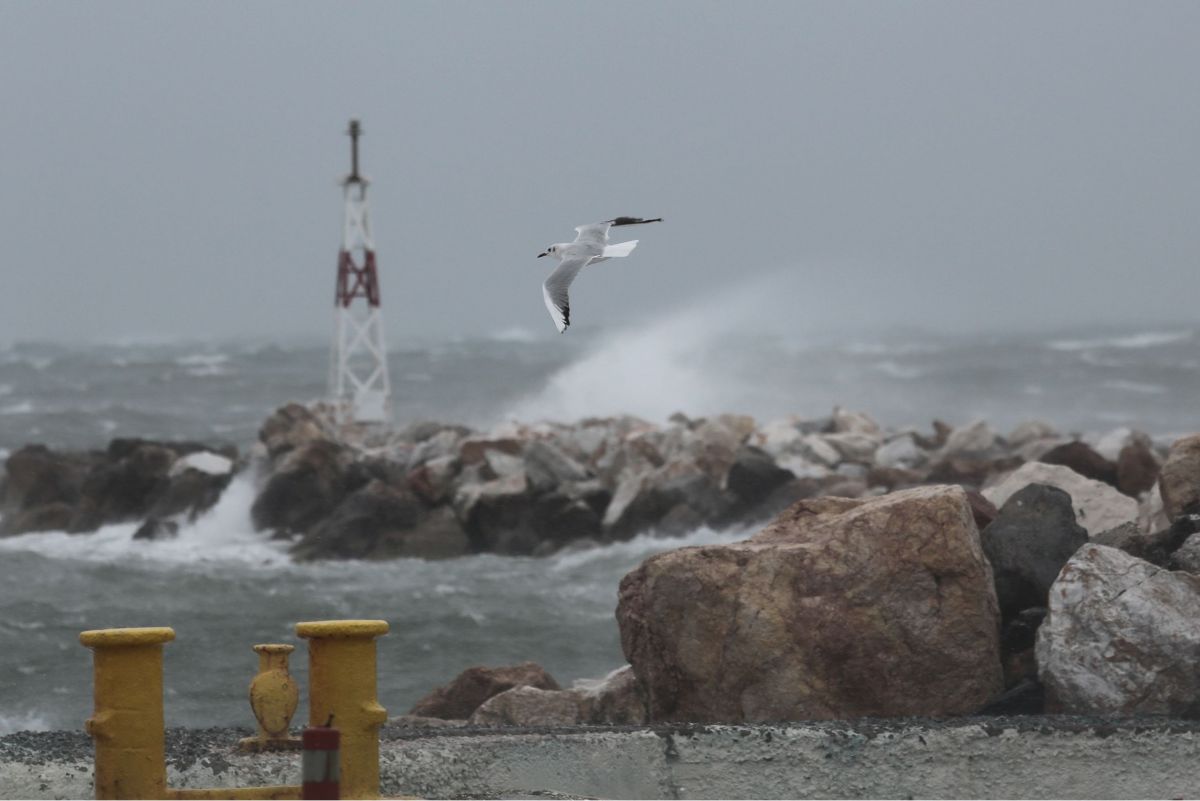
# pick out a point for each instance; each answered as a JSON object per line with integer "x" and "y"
{"x": 633, "y": 220}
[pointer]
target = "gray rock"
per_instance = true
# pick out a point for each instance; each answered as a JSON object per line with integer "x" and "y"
{"x": 1028, "y": 543}
{"x": 1137, "y": 467}
{"x": 503, "y": 464}
{"x": 1121, "y": 638}
{"x": 371, "y": 523}
{"x": 1098, "y": 507}
{"x": 779, "y": 437}
{"x": 1179, "y": 481}
{"x": 1029, "y": 431}
{"x": 529, "y": 706}
{"x": 974, "y": 439}
{"x": 459, "y": 699}
{"x": 814, "y": 448}
{"x": 1080, "y": 457}
{"x": 615, "y": 700}
{"x": 853, "y": 446}
{"x": 848, "y": 422}
{"x": 754, "y": 475}
{"x": 442, "y": 444}
{"x": 901, "y": 452}
{"x": 433, "y": 480}
{"x": 1110, "y": 444}
{"x": 291, "y": 427}
{"x": 437, "y": 535}
{"x": 1187, "y": 557}
{"x": 497, "y": 514}
{"x": 548, "y": 466}
{"x": 307, "y": 486}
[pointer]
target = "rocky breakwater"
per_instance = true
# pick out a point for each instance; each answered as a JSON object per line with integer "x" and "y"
{"x": 434, "y": 490}
{"x": 900, "y": 604}
{"x": 159, "y": 484}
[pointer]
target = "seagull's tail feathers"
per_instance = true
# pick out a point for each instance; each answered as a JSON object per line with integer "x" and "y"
{"x": 633, "y": 220}
{"x": 619, "y": 249}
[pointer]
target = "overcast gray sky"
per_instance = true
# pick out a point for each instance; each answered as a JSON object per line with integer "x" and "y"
{"x": 170, "y": 169}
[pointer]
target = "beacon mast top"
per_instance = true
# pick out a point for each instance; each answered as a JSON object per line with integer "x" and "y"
{"x": 359, "y": 388}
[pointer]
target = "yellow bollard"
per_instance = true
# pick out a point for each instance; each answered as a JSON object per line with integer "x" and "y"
{"x": 273, "y": 697}
{"x": 127, "y": 725}
{"x": 341, "y": 684}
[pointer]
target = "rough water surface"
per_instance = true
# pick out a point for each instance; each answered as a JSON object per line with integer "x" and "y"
{"x": 224, "y": 587}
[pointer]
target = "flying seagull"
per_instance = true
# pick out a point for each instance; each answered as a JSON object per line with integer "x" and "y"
{"x": 590, "y": 247}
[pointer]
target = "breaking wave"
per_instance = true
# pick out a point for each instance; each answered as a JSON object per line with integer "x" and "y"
{"x": 224, "y": 534}
{"x": 11, "y": 723}
{"x": 1142, "y": 339}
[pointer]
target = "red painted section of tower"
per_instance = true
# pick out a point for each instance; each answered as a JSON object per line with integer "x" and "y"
{"x": 355, "y": 281}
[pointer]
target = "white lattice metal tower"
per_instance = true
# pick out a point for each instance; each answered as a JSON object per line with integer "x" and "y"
{"x": 358, "y": 377}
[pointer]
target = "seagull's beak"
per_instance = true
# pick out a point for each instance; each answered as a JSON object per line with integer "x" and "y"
{"x": 544, "y": 253}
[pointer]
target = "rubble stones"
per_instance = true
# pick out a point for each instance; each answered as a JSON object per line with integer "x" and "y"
{"x": 461, "y": 697}
{"x": 1080, "y": 457}
{"x": 974, "y": 440}
{"x": 615, "y": 700}
{"x": 528, "y": 706}
{"x": 1031, "y": 431}
{"x": 1137, "y": 468}
{"x": 1179, "y": 481}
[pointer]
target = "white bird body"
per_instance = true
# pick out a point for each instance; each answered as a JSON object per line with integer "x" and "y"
{"x": 590, "y": 247}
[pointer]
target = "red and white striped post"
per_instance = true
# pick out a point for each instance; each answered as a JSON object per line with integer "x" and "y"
{"x": 319, "y": 770}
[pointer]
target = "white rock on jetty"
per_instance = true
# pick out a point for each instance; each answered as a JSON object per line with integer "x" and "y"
{"x": 1121, "y": 637}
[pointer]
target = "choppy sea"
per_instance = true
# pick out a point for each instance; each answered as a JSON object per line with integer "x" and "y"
{"x": 224, "y": 588}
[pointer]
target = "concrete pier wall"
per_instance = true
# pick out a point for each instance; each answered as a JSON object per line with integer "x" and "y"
{"x": 1044, "y": 757}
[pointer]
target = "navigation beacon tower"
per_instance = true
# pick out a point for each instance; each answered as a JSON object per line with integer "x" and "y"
{"x": 358, "y": 378}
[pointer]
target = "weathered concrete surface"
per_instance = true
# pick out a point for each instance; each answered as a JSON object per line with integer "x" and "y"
{"x": 1028, "y": 757}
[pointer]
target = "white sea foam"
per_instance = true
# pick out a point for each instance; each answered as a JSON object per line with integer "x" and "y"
{"x": 897, "y": 370}
{"x": 1135, "y": 386}
{"x": 1142, "y": 339}
{"x": 12, "y": 722}
{"x": 890, "y": 348}
{"x": 224, "y": 534}
{"x": 201, "y": 359}
{"x": 24, "y": 407}
{"x": 204, "y": 364}
{"x": 642, "y": 546}
{"x": 514, "y": 333}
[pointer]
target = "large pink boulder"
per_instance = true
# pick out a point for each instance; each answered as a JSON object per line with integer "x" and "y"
{"x": 840, "y": 608}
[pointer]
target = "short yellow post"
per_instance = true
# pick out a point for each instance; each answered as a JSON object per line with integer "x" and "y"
{"x": 127, "y": 725}
{"x": 341, "y": 684}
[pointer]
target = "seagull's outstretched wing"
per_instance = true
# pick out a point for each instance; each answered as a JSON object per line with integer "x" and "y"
{"x": 554, "y": 291}
{"x": 597, "y": 233}
{"x": 593, "y": 233}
